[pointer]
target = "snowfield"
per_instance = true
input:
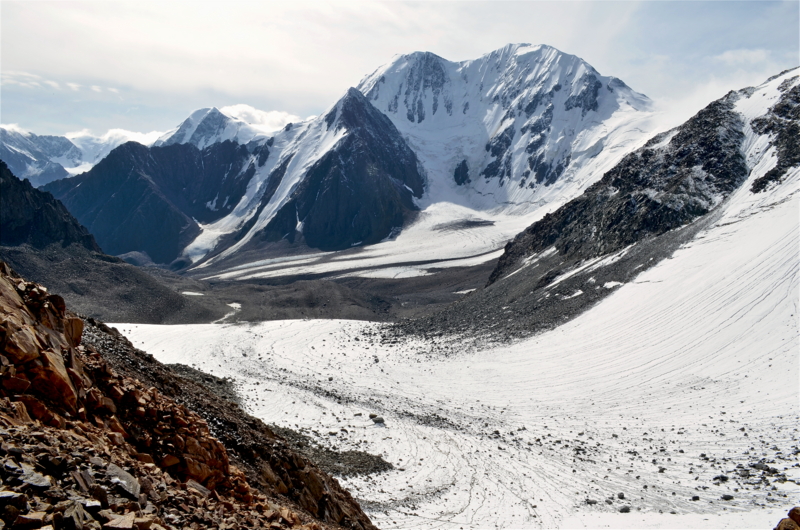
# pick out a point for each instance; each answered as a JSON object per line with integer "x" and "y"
{"x": 672, "y": 387}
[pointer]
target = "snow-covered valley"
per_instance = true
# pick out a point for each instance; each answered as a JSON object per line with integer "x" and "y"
{"x": 680, "y": 384}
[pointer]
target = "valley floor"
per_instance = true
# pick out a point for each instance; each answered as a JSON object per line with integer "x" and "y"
{"x": 681, "y": 384}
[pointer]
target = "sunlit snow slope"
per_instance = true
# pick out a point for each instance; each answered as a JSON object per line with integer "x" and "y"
{"x": 688, "y": 374}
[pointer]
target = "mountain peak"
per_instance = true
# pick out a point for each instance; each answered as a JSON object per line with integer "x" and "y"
{"x": 208, "y": 126}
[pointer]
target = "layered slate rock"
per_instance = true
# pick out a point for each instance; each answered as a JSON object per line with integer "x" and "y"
{"x": 151, "y": 200}
{"x": 359, "y": 191}
{"x": 29, "y": 216}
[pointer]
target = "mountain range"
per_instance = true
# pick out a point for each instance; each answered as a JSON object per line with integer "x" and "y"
{"x": 501, "y": 139}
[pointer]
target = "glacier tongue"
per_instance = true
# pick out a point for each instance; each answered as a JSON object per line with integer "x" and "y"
{"x": 681, "y": 377}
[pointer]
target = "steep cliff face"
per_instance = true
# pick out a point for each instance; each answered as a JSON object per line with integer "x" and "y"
{"x": 30, "y": 216}
{"x": 117, "y": 448}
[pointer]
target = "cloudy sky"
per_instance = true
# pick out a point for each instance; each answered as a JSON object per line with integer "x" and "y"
{"x": 144, "y": 66}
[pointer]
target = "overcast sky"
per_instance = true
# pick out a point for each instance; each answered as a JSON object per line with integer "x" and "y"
{"x": 145, "y": 66}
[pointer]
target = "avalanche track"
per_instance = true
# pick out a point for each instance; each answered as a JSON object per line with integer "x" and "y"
{"x": 681, "y": 384}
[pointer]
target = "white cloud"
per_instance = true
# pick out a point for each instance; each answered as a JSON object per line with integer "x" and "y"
{"x": 267, "y": 121}
{"x": 300, "y": 56}
{"x": 115, "y": 134}
{"x": 53, "y": 84}
{"x": 13, "y": 127}
{"x": 743, "y": 57}
{"x": 22, "y": 79}
{"x": 96, "y": 88}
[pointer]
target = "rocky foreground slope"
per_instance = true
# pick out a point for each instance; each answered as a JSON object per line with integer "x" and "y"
{"x": 86, "y": 444}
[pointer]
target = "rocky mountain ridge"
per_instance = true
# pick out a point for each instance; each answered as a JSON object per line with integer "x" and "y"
{"x": 512, "y": 131}
{"x": 30, "y": 216}
{"x": 139, "y": 192}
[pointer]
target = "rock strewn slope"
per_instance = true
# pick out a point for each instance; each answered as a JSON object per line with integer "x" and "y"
{"x": 71, "y": 423}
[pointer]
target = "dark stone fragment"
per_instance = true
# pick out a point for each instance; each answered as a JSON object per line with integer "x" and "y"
{"x": 461, "y": 173}
{"x": 124, "y": 481}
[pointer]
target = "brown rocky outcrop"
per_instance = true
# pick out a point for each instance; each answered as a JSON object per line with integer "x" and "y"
{"x": 792, "y": 522}
{"x": 74, "y": 427}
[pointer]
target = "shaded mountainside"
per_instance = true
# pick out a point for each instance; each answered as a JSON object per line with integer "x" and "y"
{"x": 150, "y": 199}
{"x": 95, "y": 431}
{"x": 642, "y": 210}
{"x": 359, "y": 191}
{"x": 29, "y": 216}
{"x": 41, "y": 240}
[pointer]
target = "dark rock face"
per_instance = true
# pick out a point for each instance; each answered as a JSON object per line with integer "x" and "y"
{"x": 498, "y": 146}
{"x": 586, "y": 98}
{"x": 30, "y": 216}
{"x": 359, "y": 190}
{"x": 651, "y": 191}
{"x": 461, "y": 173}
{"x": 783, "y": 121}
{"x": 147, "y": 199}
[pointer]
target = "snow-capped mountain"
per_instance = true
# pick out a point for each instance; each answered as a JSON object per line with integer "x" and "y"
{"x": 37, "y": 158}
{"x": 510, "y": 125}
{"x": 43, "y": 159}
{"x": 500, "y": 140}
{"x": 205, "y": 127}
{"x": 486, "y": 146}
{"x": 655, "y": 200}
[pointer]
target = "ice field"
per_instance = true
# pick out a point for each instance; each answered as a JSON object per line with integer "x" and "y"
{"x": 683, "y": 376}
